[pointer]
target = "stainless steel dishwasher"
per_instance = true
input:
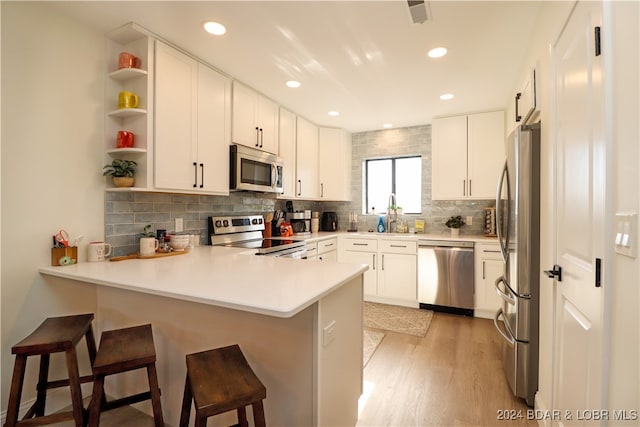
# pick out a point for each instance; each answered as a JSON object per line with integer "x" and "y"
{"x": 445, "y": 276}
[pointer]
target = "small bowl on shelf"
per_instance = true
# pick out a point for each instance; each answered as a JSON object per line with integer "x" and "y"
{"x": 179, "y": 242}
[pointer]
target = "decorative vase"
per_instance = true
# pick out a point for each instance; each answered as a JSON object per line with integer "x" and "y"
{"x": 123, "y": 181}
{"x": 455, "y": 232}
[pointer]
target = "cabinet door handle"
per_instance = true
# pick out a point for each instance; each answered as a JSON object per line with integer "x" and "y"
{"x": 483, "y": 277}
{"x": 360, "y": 244}
{"x": 326, "y": 245}
{"x": 398, "y": 246}
{"x": 469, "y": 187}
{"x": 382, "y": 262}
{"x": 257, "y": 136}
{"x": 195, "y": 174}
{"x": 202, "y": 176}
{"x": 321, "y": 190}
{"x": 261, "y": 137}
{"x": 299, "y": 188}
{"x": 464, "y": 187}
{"x": 518, "y": 116}
{"x": 374, "y": 261}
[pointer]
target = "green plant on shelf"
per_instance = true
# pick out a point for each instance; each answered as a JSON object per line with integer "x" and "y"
{"x": 120, "y": 168}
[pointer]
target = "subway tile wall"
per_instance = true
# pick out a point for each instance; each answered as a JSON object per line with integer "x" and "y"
{"x": 126, "y": 213}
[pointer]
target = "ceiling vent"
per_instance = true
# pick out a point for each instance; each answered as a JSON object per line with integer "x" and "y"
{"x": 420, "y": 11}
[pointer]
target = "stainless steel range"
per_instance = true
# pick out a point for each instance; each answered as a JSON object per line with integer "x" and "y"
{"x": 246, "y": 232}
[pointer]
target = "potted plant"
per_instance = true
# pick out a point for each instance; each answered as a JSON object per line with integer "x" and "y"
{"x": 122, "y": 172}
{"x": 148, "y": 242}
{"x": 454, "y": 223}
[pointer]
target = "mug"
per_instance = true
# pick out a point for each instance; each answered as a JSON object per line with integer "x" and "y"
{"x": 148, "y": 246}
{"x": 97, "y": 251}
{"x": 128, "y": 60}
{"x": 125, "y": 139}
{"x": 127, "y": 100}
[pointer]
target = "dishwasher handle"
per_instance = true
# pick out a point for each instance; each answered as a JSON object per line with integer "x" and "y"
{"x": 445, "y": 243}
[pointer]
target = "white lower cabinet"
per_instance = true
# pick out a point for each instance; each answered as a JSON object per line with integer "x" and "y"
{"x": 328, "y": 249}
{"x": 392, "y": 277}
{"x": 488, "y": 267}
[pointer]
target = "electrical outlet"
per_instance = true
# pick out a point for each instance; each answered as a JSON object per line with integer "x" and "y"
{"x": 179, "y": 225}
{"x": 469, "y": 220}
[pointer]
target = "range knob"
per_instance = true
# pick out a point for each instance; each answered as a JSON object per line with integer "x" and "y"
{"x": 218, "y": 223}
{"x": 254, "y": 221}
{"x": 225, "y": 222}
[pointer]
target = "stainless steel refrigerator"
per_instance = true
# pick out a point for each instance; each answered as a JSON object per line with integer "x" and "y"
{"x": 518, "y": 225}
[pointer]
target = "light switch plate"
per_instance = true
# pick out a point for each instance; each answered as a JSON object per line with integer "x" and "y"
{"x": 328, "y": 333}
{"x": 626, "y": 238}
{"x": 179, "y": 225}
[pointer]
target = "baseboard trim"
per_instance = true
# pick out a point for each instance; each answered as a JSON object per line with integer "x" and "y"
{"x": 543, "y": 409}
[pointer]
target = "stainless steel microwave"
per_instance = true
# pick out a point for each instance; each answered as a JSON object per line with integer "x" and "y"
{"x": 254, "y": 170}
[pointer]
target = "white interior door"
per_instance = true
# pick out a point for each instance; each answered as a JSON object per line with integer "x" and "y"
{"x": 580, "y": 174}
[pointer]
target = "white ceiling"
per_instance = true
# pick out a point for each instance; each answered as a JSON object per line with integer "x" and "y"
{"x": 365, "y": 59}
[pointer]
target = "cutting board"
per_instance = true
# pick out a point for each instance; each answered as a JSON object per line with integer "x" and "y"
{"x": 156, "y": 255}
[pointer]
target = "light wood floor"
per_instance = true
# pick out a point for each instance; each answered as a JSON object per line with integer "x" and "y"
{"x": 451, "y": 377}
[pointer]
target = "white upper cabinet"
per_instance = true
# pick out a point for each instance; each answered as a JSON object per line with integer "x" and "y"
{"x": 306, "y": 159}
{"x": 334, "y": 162}
{"x": 192, "y": 126}
{"x": 526, "y": 100}
{"x": 467, "y": 156}
{"x": 255, "y": 119}
{"x": 287, "y": 151}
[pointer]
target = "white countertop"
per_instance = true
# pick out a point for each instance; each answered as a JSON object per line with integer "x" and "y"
{"x": 221, "y": 276}
{"x": 411, "y": 236}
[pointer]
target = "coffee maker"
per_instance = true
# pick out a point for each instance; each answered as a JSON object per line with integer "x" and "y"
{"x": 300, "y": 222}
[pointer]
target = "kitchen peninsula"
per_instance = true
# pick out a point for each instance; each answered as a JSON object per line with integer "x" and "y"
{"x": 298, "y": 322}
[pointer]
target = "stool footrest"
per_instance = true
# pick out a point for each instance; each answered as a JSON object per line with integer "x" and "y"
{"x": 124, "y": 401}
{"x": 65, "y": 383}
{"x": 46, "y": 419}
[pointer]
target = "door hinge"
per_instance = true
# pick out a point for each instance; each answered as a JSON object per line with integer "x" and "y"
{"x": 598, "y": 272}
{"x": 597, "y": 41}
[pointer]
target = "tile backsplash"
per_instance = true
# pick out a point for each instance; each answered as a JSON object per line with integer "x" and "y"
{"x": 126, "y": 213}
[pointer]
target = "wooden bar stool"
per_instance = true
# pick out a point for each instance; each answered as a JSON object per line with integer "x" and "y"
{"x": 124, "y": 350}
{"x": 54, "y": 335}
{"x": 219, "y": 381}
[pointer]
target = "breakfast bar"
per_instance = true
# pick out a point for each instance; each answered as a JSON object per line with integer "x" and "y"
{"x": 298, "y": 322}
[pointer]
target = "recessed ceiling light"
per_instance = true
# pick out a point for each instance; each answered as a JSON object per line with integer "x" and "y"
{"x": 447, "y": 96}
{"x": 333, "y": 113}
{"x": 387, "y": 125}
{"x": 215, "y": 28}
{"x": 437, "y": 52}
{"x": 293, "y": 83}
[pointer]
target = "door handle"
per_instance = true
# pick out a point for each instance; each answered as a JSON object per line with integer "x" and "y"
{"x": 202, "y": 176}
{"x": 518, "y": 116}
{"x": 555, "y": 272}
{"x": 299, "y": 188}
{"x": 261, "y": 138}
{"x": 257, "y": 136}
{"x": 195, "y": 176}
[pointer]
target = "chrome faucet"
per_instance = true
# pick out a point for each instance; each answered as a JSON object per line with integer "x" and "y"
{"x": 392, "y": 202}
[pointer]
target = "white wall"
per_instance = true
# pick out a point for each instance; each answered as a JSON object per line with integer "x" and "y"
{"x": 621, "y": 40}
{"x": 620, "y": 35}
{"x": 53, "y": 74}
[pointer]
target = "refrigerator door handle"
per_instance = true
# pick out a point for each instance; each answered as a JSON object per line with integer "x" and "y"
{"x": 512, "y": 295}
{"x": 508, "y": 297}
{"x": 505, "y": 332}
{"x": 503, "y": 240}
